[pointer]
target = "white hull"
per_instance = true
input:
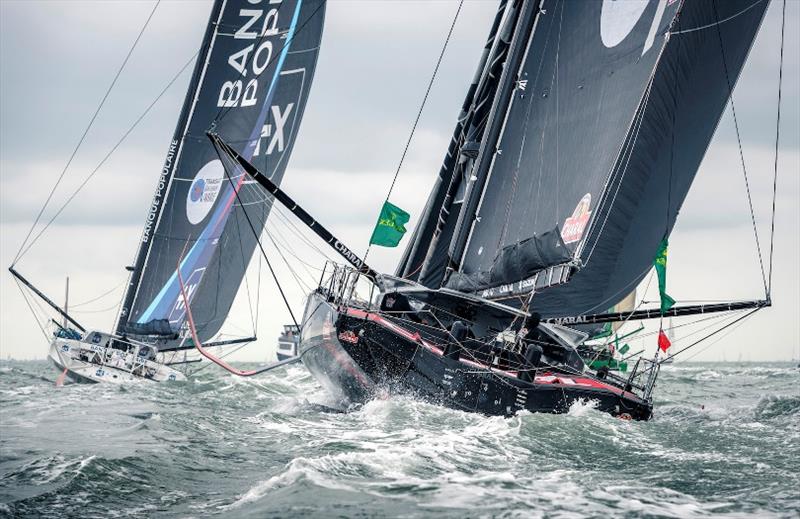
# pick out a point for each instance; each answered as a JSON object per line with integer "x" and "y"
{"x": 90, "y": 363}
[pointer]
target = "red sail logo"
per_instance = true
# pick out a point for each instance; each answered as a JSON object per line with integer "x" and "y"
{"x": 575, "y": 224}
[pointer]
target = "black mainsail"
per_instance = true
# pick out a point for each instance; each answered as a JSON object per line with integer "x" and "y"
{"x": 250, "y": 85}
{"x": 614, "y": 106}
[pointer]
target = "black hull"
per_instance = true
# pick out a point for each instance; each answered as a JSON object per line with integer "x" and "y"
{"x": 355, "y": 354}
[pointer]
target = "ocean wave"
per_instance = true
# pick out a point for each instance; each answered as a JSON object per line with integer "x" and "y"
{"x": 268, "y": 447}
{"x": 777, "y": 406}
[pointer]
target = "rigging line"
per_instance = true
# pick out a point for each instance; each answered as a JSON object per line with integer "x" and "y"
{"x": 777, "y": 141}
{"x": 615, "y": 334}
{"x": 284, "y": 245}
{"x": 698, "y": 341}
{"x": 421, "y": 108}
{"x": 244, "y": 267}
{"x": 300, "y": 283}
{"x": 721, "y": 317}
{"x": 30, "y": 307}
{"x": 101, "y": 296}
{"x": 228, "y": 354}
{"x": 299, "y": 233}
{"x": 719, "y": 22}
{"x": 257, "y": 238}
{"x": 264, "y": 231}
{"x": 100, "y": 311}
{"x": 730, "y": 331}
{"x": 107, "y": 156}
{"x": 85, "y": 132}
{"x": 741, "y": 151}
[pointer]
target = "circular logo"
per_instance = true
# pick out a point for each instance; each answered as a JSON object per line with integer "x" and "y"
{"x": 198, "y": 187}
{"x": 618, "y": 18}
{"x": 204, "y": 191}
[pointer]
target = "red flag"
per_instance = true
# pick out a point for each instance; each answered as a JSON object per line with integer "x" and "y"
{"x": 663, "y": 341}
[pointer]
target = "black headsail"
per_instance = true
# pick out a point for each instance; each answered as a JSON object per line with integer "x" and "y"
{"x": 614, "y": 107}
{"x": 250, "y": 84}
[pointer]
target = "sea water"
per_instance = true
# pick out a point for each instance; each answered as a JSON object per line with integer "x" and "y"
{"x": 725, "y": 440}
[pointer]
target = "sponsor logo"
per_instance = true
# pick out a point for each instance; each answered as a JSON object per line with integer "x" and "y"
{"x": 65, "y": 347}
{"x": 204, "y": 191}
{"x": 580, "y": 319}
{"x": 171, "y": 376}
{"x": 256, "y": 39}
{"x": 576, "y": 224}
{"x": 347, "y": 253}
{"x": 274, "y": 134}
{"x": 618, "y": 19}
{"x": 190, "y": 286}
{"x": 348, "y": 336}
{"x": 99, "y": 373}
{"x": 159, "y": 196}
{"x": 198, "y": 188}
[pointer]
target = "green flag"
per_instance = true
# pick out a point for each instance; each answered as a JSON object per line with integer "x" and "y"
{"x": 390, "y": 227}
{"x": 660, "y": 264}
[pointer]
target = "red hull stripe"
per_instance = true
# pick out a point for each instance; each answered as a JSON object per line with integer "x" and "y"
{"x": 546, "y": 378}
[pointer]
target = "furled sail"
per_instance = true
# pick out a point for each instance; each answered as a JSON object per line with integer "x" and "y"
{"x": 250, "y": 85}
{"x": 614, "y": 107}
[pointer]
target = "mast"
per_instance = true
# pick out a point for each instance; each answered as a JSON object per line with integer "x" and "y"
{"x": 508, "y": 83}
{"x": 481, "y": 134}
{"x": 441, "y": 196}
{"x": 159, "y": 199}
{"x": 66, "y": 301}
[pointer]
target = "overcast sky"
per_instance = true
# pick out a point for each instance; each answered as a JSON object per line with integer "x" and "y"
{"x": 58, "y": 57}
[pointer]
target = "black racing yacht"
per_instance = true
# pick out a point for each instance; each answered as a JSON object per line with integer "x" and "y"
{"x": 576, "y": 145}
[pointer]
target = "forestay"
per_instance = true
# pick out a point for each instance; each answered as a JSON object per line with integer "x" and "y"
{"x": 250, "y": 85}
